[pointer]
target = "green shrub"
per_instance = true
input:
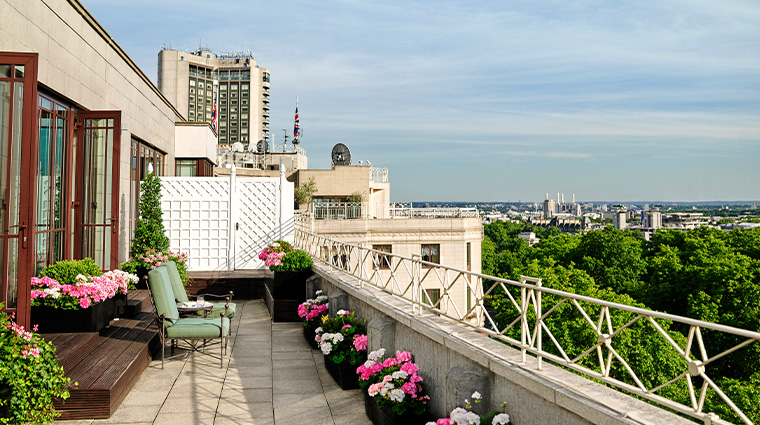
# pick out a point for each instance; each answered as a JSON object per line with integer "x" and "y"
{"x": 29, "y": 374}
{"x": 150, "y": 232}
{"x": 65, "y": 272}
{"x": 294, "y": 260}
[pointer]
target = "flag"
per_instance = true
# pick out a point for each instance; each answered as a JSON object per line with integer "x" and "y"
{"x": 297, "y": 125}
{"x": 213, "y": 115}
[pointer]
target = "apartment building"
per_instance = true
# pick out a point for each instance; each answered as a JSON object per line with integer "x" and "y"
{"x": 193, "y": 81}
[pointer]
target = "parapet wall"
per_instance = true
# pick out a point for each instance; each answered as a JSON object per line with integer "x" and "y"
{"x": 456, "y": 360}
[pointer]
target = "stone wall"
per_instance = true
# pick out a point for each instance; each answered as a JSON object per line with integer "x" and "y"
{"x": 456, "y": 360}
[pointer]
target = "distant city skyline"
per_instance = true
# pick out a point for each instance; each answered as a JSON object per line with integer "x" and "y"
{"x": 490, "y": 101}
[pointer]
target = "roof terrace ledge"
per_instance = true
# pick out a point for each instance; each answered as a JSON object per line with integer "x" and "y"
{"x": 439, "y": 344}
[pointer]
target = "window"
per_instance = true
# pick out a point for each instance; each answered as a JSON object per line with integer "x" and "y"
{"x": 192, "y": 83}
{"x": 383, "y": 261}
{"x": 431, "y": 253}
{"x": 244, "y": 86}
{"x": 186, "y": 167}
{"x": 469, "y": 255}
{"x": 430, "y": 296}
{"x": 233, "y": 102}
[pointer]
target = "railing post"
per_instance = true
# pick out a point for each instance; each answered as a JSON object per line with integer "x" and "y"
{"x": 539, "y": 313}
{"x": 523, "y": 321}
{"x": 231, "y": 234}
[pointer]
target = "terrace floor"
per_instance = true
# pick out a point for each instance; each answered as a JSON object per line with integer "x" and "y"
{"x": 270, "y": 376}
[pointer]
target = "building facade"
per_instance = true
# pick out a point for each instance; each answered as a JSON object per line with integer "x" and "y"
{"x": 194, "y": 81}
{"x": 80, "y": 124}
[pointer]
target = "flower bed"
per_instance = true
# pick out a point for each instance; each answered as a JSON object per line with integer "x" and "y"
{"x": 343, "y": 341}
{"x": 143, "y": 263}
{"x": 312, "y": 312}
{"x": 85, "y": 304}
{"x": 288, "y": 288}
{"x": 395, "y": 388}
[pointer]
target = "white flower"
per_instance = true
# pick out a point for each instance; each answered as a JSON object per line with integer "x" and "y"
{"x": 430, "y": 423}
{"x": 369, "y": 363}
{"x": 463, "y": 417}
{"x": 341, "y": 312}
{"x": 319, "y": 291}
{"x": 500, "y": 419}
{"x": 326, "y": 348}
{"x": 476, "y": 395}
{"x": 400, "y": 374}
{"x": 318, "y": 330}
{"x": 397, "y": 395}
{"x": 337, "y": 338}
{"x": 376, "y": 355}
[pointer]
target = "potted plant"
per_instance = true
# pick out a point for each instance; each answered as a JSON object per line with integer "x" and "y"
{"x": 311, "y": 312}
{"x": 30, "y": 376}
{"x": 66, "y": 300}
{"x": 393, "y": 389}
{"x": 287, "y": 289}
{"x": 142, "y": 263}
{"x": 150, "y": 234}
{"x": 343, "y": 341}
{"x": 465, "y": 415}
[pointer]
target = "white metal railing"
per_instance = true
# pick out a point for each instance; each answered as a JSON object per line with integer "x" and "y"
{"x": 434, "y": 212}
{"x": 379, "y": 175}
{"x": 414, "y": 280}
{"x": 338, "y": 210}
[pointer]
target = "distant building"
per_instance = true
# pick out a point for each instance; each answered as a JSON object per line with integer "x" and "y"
{"x": 529, "y": 237}
{"x": 550, "y": 208}
{"x": 618, "y": 219}
{"x": 652, "y": 220}
{"x": 753, "y": 205}
{"x": 192, "y": 81}
{"x": 685, "y": 220}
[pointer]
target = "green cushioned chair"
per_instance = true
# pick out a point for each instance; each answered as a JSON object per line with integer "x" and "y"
{"x": 180, "y": 295}
{"x": 192, "y": 329}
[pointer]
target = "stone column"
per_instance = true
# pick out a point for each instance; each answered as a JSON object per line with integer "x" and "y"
{"x": 381, "y": 333}
{"x": 461, "y": 383}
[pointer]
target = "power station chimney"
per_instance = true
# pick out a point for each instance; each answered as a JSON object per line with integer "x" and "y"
{"x": 573, "y": 198}
{"x": 563, "y": 199}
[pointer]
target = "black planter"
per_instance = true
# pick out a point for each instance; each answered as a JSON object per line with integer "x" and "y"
{"x": 309, "y": 334}
{"x": 119, "y": 304}
{"x": 386, "y": 415}
{"x": 344, "y": 376}
{"x": 285, "y": 293}
{"x": 92, "y": 319}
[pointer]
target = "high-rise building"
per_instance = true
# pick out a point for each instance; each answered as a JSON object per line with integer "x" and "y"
{"x": 193, "y": 81}
{"x": 549, "y": 208}
{"x": 618, "y": 219}
{"x": 652, "y": 219}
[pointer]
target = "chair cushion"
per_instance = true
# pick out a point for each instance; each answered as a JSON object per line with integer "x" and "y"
{"x": 198, "y": 327}
{"x": 163, "y": 297}
{"x": 177, "y": 287}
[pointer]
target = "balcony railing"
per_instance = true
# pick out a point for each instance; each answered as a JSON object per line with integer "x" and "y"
{"x": 338, "y": 210}
{"x": 379, "y": 175}
{"x": 412, "y": 280}
{"x": 434, "y": 212}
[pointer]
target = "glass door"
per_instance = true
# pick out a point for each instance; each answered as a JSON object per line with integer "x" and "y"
{"x": 98, "y": 145}
{"x": 18, "y": 165}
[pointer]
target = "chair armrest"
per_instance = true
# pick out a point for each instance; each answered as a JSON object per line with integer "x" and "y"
{"x": 227, "y": 296}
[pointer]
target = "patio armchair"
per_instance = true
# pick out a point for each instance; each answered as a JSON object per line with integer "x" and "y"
{"x": 192, "y": 329}
{"x": 180, "y": 295}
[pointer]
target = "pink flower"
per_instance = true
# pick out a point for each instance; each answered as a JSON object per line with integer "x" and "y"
{"x": 346, "y": 327}
{"x": 403, "y": 356}
{"x": 410, "y": 368}
{"x": 84, "y": 302}
{"x": 360, "y": 342}
{"x": 415, "y": 378}
{"x": 444, "y": 421}
{"x": 410, "y": 388}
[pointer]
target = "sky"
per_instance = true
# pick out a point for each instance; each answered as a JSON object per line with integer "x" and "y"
{"x": 650, "y": 100}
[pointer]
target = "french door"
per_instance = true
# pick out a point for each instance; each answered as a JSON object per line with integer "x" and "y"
{"x": 18, "y": 166}
{"x": 97, "y": 212}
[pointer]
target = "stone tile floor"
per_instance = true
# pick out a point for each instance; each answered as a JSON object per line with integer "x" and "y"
{"x": 270, "y": 376}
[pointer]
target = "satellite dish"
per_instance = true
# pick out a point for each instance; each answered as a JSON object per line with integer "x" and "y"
{"x": 262, "y": 146}
{"x": 238, "y": 147}
{"x": 341, "y": 155}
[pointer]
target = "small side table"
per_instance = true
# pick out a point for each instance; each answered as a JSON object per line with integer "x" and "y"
{"x": 190, "y": 311}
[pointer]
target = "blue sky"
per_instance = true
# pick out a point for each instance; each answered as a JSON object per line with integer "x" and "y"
{"x": 496, "y": 100}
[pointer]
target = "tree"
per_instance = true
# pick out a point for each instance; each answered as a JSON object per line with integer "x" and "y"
{"x": 304, "y": 193}
{"x": 150, "y": 232}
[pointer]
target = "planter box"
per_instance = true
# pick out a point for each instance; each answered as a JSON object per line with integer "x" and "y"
{"x": 285, "y": 293}
{"x": 386, "y": 415}
{"x": 344, "y": 376}
{"x": 92, "y": 319}
{"x": 309, "y": 334}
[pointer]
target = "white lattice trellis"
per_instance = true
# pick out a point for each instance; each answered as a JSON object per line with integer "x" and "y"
{"x": 223, "y": 223}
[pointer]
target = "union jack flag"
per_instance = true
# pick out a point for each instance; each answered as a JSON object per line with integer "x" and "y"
{"x": 297, "y": 125}
{"x": 213, "y": 115}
